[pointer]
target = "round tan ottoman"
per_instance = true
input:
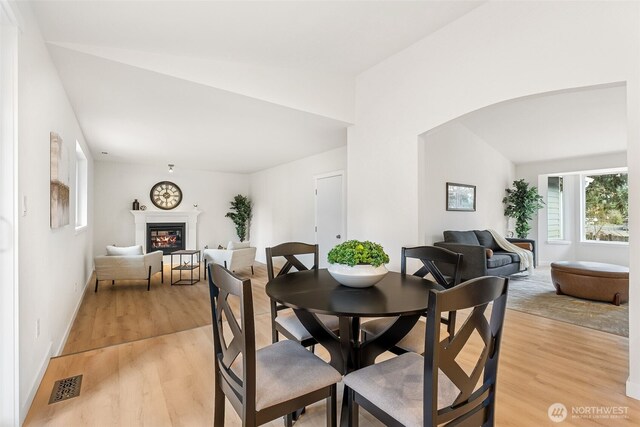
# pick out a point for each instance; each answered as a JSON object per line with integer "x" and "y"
{"x": 591, "y": 280}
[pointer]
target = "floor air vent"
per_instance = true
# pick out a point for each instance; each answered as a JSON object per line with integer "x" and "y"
{"x": 65, "y": 389}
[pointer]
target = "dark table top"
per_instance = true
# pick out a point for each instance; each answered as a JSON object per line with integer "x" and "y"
{"x": 318, "y": 292}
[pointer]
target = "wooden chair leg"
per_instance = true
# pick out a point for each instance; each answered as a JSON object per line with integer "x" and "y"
{"x": 252, "y": 270}
{"x": 332, "y": 407}
{"x": 218, "y": 405}
{"x": 288, "y": 420}
{"x": 274, "y": 331}
{"x": 96, "y": 285}
{"x": 162, "y": 272}
{"x": 352, "y": 408}
{"x": 149, "y": 279}
{"x": 113, "y": 282}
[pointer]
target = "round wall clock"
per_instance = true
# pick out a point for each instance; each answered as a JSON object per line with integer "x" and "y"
{"x": 165, "y": 195}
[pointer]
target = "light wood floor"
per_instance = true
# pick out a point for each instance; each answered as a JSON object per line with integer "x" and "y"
{"x": 168, "y": 380}
{"x": 126, "y": 312}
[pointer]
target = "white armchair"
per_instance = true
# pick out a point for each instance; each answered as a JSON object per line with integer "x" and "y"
{"x": 128, "y": 263}
{"x": 237, "y": 255}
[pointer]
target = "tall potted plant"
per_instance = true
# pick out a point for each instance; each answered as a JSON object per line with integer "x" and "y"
{"x": 240, "y": 215}
{"x": 521, "y": 203}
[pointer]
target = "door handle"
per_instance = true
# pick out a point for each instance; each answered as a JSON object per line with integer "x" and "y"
{"x": 338, "y": 236}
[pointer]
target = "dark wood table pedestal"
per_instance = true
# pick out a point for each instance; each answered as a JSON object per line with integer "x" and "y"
{"x": 348, "y": 352}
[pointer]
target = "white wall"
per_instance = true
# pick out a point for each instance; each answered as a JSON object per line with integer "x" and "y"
{"x": 454, "y": 154}
{"x": 572, "y": 248}
{"x": 54, "y": 265}
{"x": 283, "y": 200}
{"x": 498, "y": 51}
{"x": 118, "y": 184}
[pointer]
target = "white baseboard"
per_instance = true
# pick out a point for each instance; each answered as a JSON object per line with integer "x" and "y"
{"x": 73, "y": 318}
{"x": 633, "y": 389}
{"x": 24, "y": 410}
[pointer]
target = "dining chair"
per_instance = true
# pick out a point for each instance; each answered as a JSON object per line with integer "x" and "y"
{"x": 454, "y": 383}
{"x": 430, "y": 257}
{"x": 266, "y": 384}
{"x": 283, "y": 319}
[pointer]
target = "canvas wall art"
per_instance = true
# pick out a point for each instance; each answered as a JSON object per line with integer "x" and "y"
{"x": 59, "y": 189}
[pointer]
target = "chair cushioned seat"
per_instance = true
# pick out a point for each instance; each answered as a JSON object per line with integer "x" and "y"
{"x": 291, "y": 323}
{"x": 498, "y": 260}
{"x": 278, "y": 363}
{"x": 396, "y": 387}
{"x": 413, "y": 341}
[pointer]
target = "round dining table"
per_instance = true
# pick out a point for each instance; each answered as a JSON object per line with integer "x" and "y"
{"x": 313, "y": 292}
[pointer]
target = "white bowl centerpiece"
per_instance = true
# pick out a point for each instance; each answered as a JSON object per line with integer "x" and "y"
{"x": 357, "y": 264}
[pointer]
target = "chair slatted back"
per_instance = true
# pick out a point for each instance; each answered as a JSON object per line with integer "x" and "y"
{"x": 240, "y": 343}
{"x": 290, "y": 251}
{"x": 429, "y": 256}
{"x": 474, "y": 404}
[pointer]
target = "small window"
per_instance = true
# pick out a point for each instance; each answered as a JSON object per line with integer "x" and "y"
{"x": 81, "y": 187}
{"x": 605, "y": 208}
{"x": 555, "y": 202}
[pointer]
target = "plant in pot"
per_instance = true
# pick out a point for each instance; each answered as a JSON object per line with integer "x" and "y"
{"x": 240, "y": 215}
{"x": 521, "y": 203}
{"x": 357, "y": 264}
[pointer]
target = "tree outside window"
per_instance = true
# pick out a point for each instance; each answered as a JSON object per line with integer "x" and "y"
{"x": 606, "y": 207}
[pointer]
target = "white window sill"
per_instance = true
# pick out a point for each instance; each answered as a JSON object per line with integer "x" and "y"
{"x": 81, "y": 229}
{"x": 603, "y": 242}
{"x": 559, "y": 242}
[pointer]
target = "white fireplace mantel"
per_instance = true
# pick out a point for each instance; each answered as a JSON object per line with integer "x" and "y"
{"x": 190, "y": 218}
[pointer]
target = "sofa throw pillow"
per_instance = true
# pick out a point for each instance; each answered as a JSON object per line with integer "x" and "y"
{"x": 124, "y": 250}
{"x": 237, "y": 245}
{"x": 464, "y": 237}
{"x": 486, "y": 239}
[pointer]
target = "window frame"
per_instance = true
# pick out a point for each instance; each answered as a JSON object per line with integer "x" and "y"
{"x": 583, "y": 205}
{"x": 82, "y": 189}
{"x": 561, "y": 210}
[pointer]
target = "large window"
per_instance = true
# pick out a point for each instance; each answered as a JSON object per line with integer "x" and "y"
{"x": 81, "y": 188}
{"x": 606, "y": 207}
{"x": 555, "y": 211}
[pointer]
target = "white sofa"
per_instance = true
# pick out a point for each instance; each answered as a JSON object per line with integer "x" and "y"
{"x": 237, "y": 255}
{"x": 128, "y": 263}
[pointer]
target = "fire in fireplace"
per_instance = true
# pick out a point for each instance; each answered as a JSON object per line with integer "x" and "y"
{"x": 165, "y": 237}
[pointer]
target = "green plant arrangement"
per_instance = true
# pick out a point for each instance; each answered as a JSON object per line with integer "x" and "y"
{"x": 521, "y": 203}
{"x": 240, "y": 215}
{"x": 354, "y": 252}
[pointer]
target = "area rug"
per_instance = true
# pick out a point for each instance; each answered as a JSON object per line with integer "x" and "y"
{"x": 536, "y": 294}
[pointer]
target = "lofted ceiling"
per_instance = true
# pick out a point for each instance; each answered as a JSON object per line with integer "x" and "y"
{"x": 234, "y": 86}
{"x": 559, "y": 125}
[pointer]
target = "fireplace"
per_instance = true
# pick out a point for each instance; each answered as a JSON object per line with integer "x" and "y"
{"x": 143, "y": 219}
{"x": 166, "y": 237}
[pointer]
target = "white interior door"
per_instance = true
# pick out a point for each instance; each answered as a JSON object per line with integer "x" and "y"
{"x": 330, "y": 213}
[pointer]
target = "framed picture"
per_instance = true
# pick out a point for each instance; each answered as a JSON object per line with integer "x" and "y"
{"x": 59, "y": 187}
{"x": 461, "y": 197}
